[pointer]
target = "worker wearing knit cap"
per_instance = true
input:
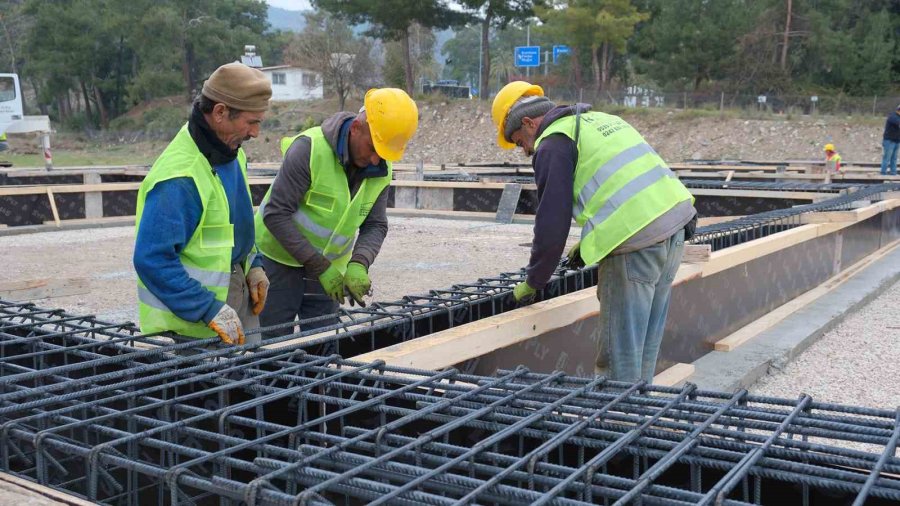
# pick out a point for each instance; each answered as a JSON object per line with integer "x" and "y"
{"x": 633, "y": 213}
{"x": 198, "y": 272}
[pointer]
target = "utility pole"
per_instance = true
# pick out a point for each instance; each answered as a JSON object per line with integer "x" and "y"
{"x": 528, "y": 43}
{"x": 480, "y": 55}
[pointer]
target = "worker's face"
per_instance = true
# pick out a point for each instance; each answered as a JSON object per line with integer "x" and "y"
{"x": 525, "y": 136}
{"x": 237, "y": 130}
{"x": 362, "y": 150}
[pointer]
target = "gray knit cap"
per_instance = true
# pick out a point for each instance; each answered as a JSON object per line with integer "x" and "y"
{"x": 531, "y": 106}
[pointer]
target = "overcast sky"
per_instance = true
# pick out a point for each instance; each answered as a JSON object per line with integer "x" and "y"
{"x": 294, "y": 5}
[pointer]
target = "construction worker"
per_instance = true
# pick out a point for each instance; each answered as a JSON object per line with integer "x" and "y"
{"x": 3, "y": 144}
{"x": 890, "y": 143}
{"x": 832, "y": 159}
{"x": 198, "y": 271}
{"x": 633, "y": 211}
{"x": 332, "y": 183}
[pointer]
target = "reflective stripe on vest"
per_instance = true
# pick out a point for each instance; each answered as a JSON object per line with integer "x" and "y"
{"x": 206, "y": 257}
{"x": 327, "y": 216}
{"x": 624, "y": 183}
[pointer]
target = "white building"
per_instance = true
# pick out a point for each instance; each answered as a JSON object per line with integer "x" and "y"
{"x": 293, "y": 83}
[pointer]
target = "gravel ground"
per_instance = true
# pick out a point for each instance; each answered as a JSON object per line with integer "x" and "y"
{"x": 855, "y": 363}
{"x": 418, "y": 254}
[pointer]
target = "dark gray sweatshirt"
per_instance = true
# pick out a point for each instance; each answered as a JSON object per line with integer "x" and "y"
{"x": 292, "y": 183}
{"x": 554, "y": 172}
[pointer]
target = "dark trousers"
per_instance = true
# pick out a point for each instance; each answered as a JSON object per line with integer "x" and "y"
{"x": 295, "y": 295}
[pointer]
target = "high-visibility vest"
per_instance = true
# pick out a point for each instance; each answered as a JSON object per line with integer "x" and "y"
{"x": 833, "y": 162}
{"x": 621, "y": 183}
{"x": 207, "y": 255}
{"x": 327, "y": 216}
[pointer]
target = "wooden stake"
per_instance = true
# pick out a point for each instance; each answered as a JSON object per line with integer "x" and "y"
{"x": 53, "y": 206}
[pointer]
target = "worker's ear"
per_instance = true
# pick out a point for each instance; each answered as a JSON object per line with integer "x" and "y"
{"x": 219, "y": 112}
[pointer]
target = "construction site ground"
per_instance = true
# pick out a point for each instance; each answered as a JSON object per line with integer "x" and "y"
{"x": 418, "y": 254}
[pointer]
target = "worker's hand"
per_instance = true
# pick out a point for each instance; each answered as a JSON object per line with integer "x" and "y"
{"x": 573, "y": 257}
{"x": 227, "y": 324}
{"x": 357, "y": 282}
{"x": 258, "y": 283}
{"x": 333, "y": 282}
{"x": 524, "y": 293}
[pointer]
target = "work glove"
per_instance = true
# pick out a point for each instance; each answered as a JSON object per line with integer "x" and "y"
{"x": 333, "y": 282}
{"x": 524, "y": 293}
{"x": 258, "y": 283}
{"x": 227, "y": 324}
{"x": 357, "y": 282}
{"x": 573, "y": 257}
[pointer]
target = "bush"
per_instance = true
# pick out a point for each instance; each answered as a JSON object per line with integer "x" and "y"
{"x": 164, "y": 119}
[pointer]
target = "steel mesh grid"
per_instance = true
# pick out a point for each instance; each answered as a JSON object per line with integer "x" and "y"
{"x": 116, "y": 423}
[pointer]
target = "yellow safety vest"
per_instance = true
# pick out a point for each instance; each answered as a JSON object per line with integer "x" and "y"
{"x": 621, "y": 184}
{"x": 327, "y": 216}
{"x": 207, "y": 255}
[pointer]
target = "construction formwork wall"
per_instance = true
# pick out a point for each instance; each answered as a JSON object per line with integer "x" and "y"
{"x": 703, "y": 310}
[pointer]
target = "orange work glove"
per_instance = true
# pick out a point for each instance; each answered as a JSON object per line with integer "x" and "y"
{"x": 227, "y": 324}
{"x": 258, "y": 283}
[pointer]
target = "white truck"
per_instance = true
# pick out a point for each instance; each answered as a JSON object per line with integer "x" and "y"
{"x": 14, "y": 121}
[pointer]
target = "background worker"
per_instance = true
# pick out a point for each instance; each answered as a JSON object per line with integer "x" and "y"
{"x": 832, "y": 159}
{"x": 198, "y": 271}
{"x": 891, "y": 143}
{"x": 3, "y": 144}
{"x": 332, "y": 184}
{"x": 633, "y": 211}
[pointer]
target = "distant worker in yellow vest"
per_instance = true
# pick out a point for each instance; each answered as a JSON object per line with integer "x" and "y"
{"x": 832, "y": 159}
{"x": 198, "y": 271}
{"x": 3, "y": 145}
{"x": 332, "y": 184}
{"x": 633, "y": 211}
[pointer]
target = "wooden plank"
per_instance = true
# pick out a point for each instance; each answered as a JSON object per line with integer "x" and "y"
{"x": 452, "y": 346}
{"x": 852, "y": 216}
{"x": 765, "y": 194}
{"x": 53, "y": 206}
{"x": 696, "y": 253}
{"x": 43, "y": 288}
{"x": 455, "y": 184}
{"x": 49, "y": 493}
{"x": 509, "y": 200}
{"x": 748, "y": 332}
{"x": 67, "y": 188}
{"x": 675, "y": 375}
{"x": 729, "y": 176}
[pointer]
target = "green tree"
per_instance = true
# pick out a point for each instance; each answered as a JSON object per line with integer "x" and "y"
{"x": 391, "y": 20}
{"x": 496, "y": 14}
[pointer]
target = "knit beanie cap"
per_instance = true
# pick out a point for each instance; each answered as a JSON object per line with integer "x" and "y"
{"x": 531, "y": 106}
{"x": 239, "y": 87}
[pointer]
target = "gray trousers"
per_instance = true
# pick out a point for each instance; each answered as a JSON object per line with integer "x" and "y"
{"x": 293, "y": 294}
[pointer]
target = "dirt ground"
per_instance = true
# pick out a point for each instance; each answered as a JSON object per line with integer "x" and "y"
{"x": 418, "y": 254}
{"x": 462, "y": 131}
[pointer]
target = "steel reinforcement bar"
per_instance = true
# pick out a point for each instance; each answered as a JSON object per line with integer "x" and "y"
{"x": 108, "y": 419}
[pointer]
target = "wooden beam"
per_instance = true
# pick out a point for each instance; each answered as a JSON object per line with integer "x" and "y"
{"x": 49, "y": 493}
{"x": 675, "y": 375}
{"x": 53, "y": 206}
{"x": 851, "y": 216}
{"x": 43, "y": 288}
{"x": 696, "y": 253}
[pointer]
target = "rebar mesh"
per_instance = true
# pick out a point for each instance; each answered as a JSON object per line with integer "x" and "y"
{"x": 104, "y": 414}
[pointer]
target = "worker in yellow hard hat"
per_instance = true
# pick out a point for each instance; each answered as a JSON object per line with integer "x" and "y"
{"x": 633, "y": 213}
{"x": 332, "y": 185}
{"x": 832, "y": 158}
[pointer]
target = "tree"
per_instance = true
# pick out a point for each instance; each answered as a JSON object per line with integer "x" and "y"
{"x": 328, "y": 45}
{"x": 497, "y": 14}
{"x": 421, "y": 53}
{"x": 391, "y": 20}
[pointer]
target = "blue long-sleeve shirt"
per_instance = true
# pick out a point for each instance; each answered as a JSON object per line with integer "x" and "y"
{"x": 174, "y": 208}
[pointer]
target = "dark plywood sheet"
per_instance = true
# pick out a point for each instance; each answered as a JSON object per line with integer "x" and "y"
{"x": 708, "y": 206}
{"x": 860, "y": 239}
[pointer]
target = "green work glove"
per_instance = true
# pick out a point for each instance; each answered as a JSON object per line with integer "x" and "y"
{"x": 523, "y": 293}
{"x": 357, "y": 282}
{"x": 573, "y": 258}
{"x": 333, "y": 283}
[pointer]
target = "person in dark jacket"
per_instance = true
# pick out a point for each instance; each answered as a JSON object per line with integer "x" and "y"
{"x": 332, "y": 186}
{"x": 891, "y": 143}
{"x": 632, "y": 210}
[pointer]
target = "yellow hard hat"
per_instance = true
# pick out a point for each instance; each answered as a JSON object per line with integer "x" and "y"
{"x": 393, "y": 118}
{"x": 829, "y": 147}
{"x": 504, "y": 101}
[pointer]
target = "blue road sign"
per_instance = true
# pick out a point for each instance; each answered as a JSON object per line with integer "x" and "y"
{"x": 528, "y": 56}
{"x": 559, "y": 51}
